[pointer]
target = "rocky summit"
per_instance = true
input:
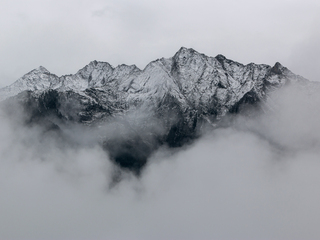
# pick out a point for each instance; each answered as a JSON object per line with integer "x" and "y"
{"x": 132, "y": 112}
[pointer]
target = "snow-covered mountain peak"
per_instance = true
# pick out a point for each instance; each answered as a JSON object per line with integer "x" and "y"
{"x": 42, "y": 69}
{"x": 125, "y": 67}
{"x": 182, "y": 93}
{"x": 278, "y": 68}
{"x": 188, "y": 75}
{"x": 36, "y": 71}
{"x": 86, "y": 71}
{"x": 184, "y": 50}
{"x": 186, "y": 53}
{"x": 38, "y": 79}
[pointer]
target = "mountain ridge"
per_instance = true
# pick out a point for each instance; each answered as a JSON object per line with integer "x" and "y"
{"x": 84, "y": 75}
{"x": 171, "y": 99}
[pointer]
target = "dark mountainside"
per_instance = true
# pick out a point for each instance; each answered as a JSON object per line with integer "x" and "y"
{"x": 132, "y": 112}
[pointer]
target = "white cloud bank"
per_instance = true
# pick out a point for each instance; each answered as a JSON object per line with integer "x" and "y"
{"x": 258, "y": 179}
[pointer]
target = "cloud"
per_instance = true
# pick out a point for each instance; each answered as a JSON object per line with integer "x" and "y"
{"x": 256, "y": 179}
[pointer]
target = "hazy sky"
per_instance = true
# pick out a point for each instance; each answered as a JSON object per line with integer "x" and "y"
{"x": 64, "y": 36}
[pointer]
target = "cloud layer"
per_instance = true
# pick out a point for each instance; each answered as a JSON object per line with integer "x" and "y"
{"x": 256, "y": 179}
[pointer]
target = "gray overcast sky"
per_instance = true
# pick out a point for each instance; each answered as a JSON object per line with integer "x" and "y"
{"x": 64, "y": 36}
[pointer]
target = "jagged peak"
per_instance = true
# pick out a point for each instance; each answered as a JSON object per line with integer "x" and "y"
{"x": 95, "y": 63}
{"x": 278, "y": 65}
{"x": 278, "y": 68}
{"x": 37, "y": 70}
{"x": 186, "y": 54}
{"x": 184, "y": 51}
{"x": 41, "y": 69}
{"x": 92, "y": 65}
{"x": 133, "y": 66}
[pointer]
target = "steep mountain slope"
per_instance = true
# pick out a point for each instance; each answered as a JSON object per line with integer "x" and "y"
{"x": 136, "y": 110}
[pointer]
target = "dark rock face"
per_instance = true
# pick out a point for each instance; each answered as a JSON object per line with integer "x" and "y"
{"x": 167, "y": 103}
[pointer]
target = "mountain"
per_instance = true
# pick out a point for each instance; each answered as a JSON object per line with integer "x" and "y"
{"x": 169, "y": 102}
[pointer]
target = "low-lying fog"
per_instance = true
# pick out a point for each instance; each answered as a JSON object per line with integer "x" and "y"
{"x": 258, "y": 179}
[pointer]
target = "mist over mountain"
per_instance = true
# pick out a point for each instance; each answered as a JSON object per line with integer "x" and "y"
{"x": 221, "y": 150}
{"x": 133, "y": 112}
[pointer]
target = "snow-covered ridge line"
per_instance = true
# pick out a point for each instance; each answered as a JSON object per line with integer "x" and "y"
{"x": 188, "y": 73}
